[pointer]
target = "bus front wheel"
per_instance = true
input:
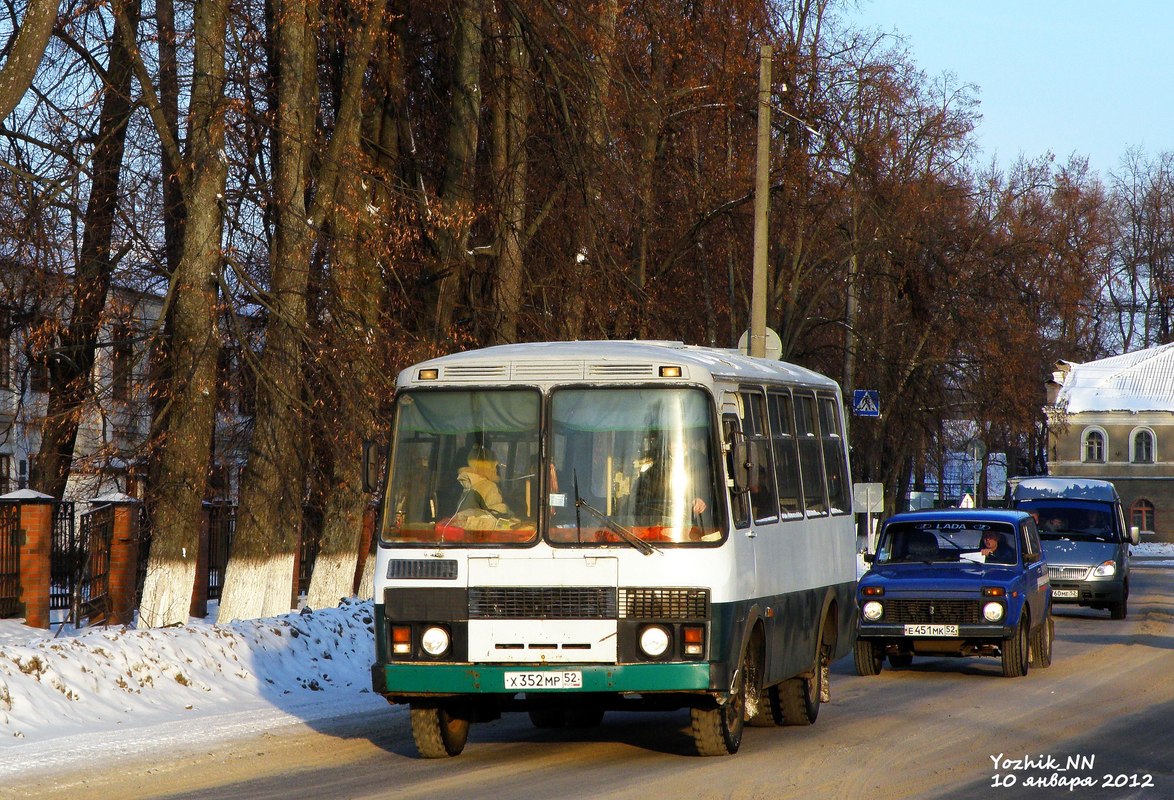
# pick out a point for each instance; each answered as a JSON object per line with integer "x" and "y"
{"x": 718, "y": 731}
{"x": 439, "y": 730}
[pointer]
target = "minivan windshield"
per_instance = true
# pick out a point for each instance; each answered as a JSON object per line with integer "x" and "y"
{"x": 1075, "y": 520}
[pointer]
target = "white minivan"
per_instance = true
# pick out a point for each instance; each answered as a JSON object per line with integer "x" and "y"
{"x": 1084, "y": 537}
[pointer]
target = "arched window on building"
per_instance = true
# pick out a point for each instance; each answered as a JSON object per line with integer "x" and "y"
{"x": 1094, "y": 445}
{"x": 1141, "y": 449}
{"x": 1141, "y": 514}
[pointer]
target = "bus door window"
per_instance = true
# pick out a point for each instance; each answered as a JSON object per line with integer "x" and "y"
{"x": 763, "y": 500}
{"x": 810, "y": 455}
{"x": 786, "y": 452}
{"x": 834, "y": 461}
{"x": 739, "y": 501}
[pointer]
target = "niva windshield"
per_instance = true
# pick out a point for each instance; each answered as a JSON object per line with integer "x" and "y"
{"x": 639, "y": 458}
{"x": 934, "y": 542}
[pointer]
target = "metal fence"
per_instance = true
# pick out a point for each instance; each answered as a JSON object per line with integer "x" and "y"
{"x": 10, "y": 605}
{"x": 66, "y": 558}
{"x": 221, "y": 532}
{"x": 93, "y": 595}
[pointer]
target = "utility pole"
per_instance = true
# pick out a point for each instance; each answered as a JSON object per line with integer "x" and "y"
{"x": 757, "y": 343}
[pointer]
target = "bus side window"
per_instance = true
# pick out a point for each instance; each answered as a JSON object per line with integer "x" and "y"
{"x": 739, "y": 501}
{"x": 810, "y": 455}
{"x": 785, "y": 451}
{"x": 763, "y": 499}
{"x": 834, "y": 463}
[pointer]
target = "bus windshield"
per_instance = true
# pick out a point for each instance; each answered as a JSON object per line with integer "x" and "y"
{"x": 638, "y": 458}
{"x": 465, "y": 468}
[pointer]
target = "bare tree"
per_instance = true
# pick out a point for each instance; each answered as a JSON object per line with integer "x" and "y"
{"x": 188, "y": 419}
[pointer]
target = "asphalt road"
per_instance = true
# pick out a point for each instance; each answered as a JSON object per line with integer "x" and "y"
{"x": 1099, "y": 723}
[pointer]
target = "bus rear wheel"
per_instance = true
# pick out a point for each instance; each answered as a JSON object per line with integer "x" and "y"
{"x": 717, "y": 731}
{"x": 438, "y": 731}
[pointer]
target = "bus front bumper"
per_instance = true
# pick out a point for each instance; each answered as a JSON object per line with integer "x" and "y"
{"x": 432, "y": 679}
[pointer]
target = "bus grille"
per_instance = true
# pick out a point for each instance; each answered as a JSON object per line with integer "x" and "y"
{"x": 549, "y": 371}
{"x": 667, "y": 604}
{"x": 475, "y": 372}
{"x": 941, "y": 612}
{"x": 538, "y": 602}
{"x": 422, "y": 569}
{"x": 621, "y": 371}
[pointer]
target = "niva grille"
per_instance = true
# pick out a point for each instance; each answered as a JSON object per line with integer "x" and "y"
{"x": 666, "y": 604}
{"x": 942, "y": 612}
{"x": 540, "y": 602}
{"x": 1067, "y": 573}
{"x": 422, "y": 569}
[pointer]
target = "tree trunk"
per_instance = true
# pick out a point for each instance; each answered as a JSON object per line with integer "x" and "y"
{"x": 27, "y": 51}
{"x": 511, "y": 114}
{"x": 586, "y": 256}
{"x": 188, "y": 421}
{"x": 456, "y": 193}
{"x": 357, "y": 291}
{"x": 71, "y": 379}
{"x": 257, "y": 581}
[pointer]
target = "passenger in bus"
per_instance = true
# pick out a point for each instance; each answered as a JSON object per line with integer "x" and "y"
{"x": 480, "y": 482}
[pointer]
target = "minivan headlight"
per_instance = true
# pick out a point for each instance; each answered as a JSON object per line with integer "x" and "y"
{"x": 1106, "y": 569}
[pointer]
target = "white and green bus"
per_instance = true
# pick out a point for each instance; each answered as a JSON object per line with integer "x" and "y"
{"x": 572, "y": 527}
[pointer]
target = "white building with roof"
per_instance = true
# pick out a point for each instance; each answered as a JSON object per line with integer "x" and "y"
{"x": 1114, "y": 419}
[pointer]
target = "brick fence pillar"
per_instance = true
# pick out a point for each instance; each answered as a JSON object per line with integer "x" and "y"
{"x": 124, "y": 557}
{"x": 36, "y": 544}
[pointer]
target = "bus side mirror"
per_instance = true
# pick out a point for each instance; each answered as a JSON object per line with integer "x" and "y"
{"x": 370, "y": 466}
{"x": 1134, "y": 534}
{"x": 745, "y": 465}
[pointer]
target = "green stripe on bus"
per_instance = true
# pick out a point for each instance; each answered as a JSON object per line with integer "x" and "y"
{"x": 486, "y": 679}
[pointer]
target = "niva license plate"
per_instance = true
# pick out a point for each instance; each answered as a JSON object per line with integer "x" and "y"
{"x": 931, "y": 630}
{"x": 543, "y": 680}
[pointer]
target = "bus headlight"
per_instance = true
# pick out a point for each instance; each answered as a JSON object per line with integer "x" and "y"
{"x": 873, "y": 610}
{"x": 435, "y": 640}
{"x": 992, "y": 612}
{"x": 654, "y": 641}
{"x": 1106, "y": 569}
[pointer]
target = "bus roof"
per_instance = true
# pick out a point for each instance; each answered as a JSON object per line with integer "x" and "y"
{"x": 634, "y": 360}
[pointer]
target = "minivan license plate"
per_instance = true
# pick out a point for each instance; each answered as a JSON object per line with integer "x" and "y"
{"x": 1065, "y": 594}
{"x": 543, "y": 680}
{"x": 931, "y": 630}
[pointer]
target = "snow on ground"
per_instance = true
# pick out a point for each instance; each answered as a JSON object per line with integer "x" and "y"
{"x": 69, "y": 695}
{"x": 120, "y": 690}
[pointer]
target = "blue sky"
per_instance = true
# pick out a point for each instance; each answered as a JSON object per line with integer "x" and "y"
{"x": 1094, "y": 78}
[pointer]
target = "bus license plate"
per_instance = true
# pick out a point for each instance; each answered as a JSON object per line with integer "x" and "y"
{"x": 1065, "y": 594}
{"x": 544, "y": 680}
{"x": 931, "y": 630}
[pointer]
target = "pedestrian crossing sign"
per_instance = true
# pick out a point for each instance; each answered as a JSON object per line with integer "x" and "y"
{"x": 866, "y": 403}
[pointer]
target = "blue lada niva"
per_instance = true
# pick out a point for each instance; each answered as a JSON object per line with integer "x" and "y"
{"x": 956, "y": 582}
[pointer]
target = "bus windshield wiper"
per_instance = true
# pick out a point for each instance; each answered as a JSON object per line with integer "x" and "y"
{"x": 625, "y": 534}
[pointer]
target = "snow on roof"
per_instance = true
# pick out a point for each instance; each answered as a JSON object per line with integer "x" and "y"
{"x": 1139, "y": 381}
